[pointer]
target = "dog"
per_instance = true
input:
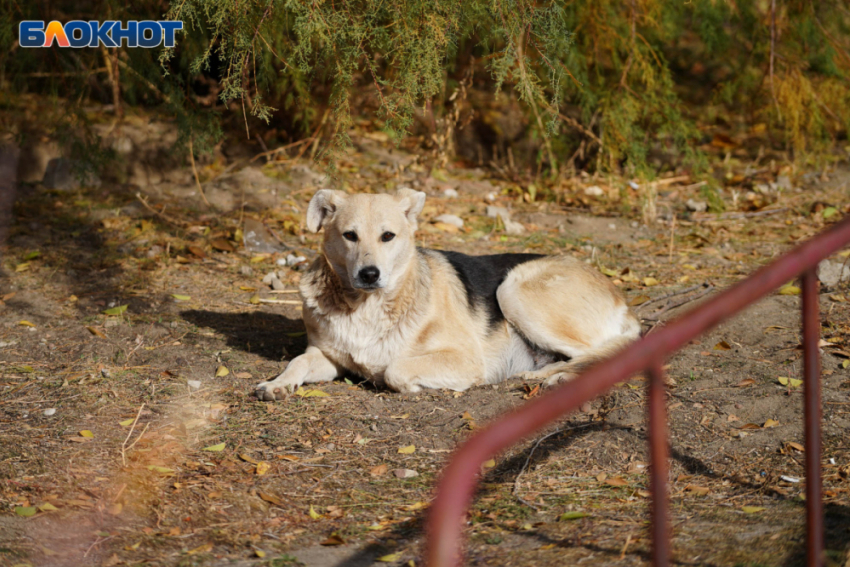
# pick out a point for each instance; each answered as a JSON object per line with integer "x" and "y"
{"x": 410, "y": 318}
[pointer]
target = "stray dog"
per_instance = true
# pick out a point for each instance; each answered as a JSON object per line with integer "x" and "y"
{"x": 409, "y": 318}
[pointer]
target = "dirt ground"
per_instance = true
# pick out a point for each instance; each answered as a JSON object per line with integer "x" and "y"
{"x": 130, "y": 436}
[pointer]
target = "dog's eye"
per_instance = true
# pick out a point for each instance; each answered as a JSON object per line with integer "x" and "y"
{"x": 351, "y": 236}
{"x": 387, "y": 236}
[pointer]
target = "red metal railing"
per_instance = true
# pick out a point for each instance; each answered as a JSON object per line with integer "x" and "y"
{"x": 455, "y": 489}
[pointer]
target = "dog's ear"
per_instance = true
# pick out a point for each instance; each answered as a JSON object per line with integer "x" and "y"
{"x": 411, "y": 202}
{"x": 322, "y": 205}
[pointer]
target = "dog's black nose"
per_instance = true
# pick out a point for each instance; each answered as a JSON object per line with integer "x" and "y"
{"x": 369, "y": 274}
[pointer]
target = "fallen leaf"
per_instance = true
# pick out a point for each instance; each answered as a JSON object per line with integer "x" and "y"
{"x": 162, "y": 470}
{"x": 315, "y": 394}
{"x": 22, "y": 267}
{"x": 770, "y": 423}
{"x": 216, "y": 448}
{"x": 96, "y": 332}
{"x": 255, "y": 300}
{"x": 751, "y": 509}
{"x": 698, "y": 490}
{"x": 179, "y": 297}
{"x": 796, "y": 446}
{"x": 639, "y": 300}
{"x": 609, "y": 272}
{"x": 380, "y": 470}
{"x": 648, "y": 282}
{"x": 789, "y": 289}
{"x": 568, "y": 516}
{"x": 730, "y": 418}
{"x": 87, "y": 433}
{"x": 617, "y": 481}
{"x": 207, "y": 547}
{"x": 47, "y": 507}
{"x": 846, "y": 363}
{"x": 271, "y": 499}
{"x": 313, "y": 514}
{"x": 601, "y": 477}
{"x": 25, "y": 511}
{"x": 116, "y": 310}
{"x": 750, "y": 426}
{"x": 26, "y": 323}
{"x": 446, "y": 227}
{"x": 333, "y": 539}
{"x": 247, "y": 458}
{"x": 222, "y": 245}
{"x": 722, "y": 345}
{"x": 407, "y": 450}
{"x": 827, "y": 213}
{"x": 243, "y": 375}
{"x": 745, "y": 382}
{"x": 197, "y": 251}
{"x": 262, "y": 468}
{"x": 793, "y": 382}
{"x": 127, "y": 422}
{"x": 259, "y": 553}
{"x": 221, "y": 371}
{"x": 489, "y": 464}
{"x": 392, "y": 557}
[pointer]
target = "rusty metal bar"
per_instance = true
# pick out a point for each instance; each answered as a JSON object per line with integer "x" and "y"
{"x": 812, "y": 417}
{"x": 657, "y": 408}
{"x": 455, "y": 488}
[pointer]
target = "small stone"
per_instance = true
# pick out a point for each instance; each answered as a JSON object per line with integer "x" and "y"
{"x": 783, "y": 183}
{"x": 490, "y": 197}
{"x": 62, "y": 175}
{"x": 122, "y": 145}
{"x": 696, "y": 206}
{"x": 453, "y": 220}
{"x": 634, "y": 185}
{"x": 154, "y": 251}
{"x": 277, "y": 285}
{"x": 246, "y": 270}
{"x": 280, "y": 261}
{"x": 450, "y": 193}
{"x": 832, "y": 273}
{"x": 105, "y": 373}
{"x": 49, "y": 411}
{"x": 496, "y": 212}
{"x": 293, "y": 260}
{"x": 635, "y": 224}
{"x": 257, "y": 238}
{"x": 513, "y": 228}
{"x": 594, "y": 191}
{"x": 405, "y": 473}
{"x": 269, "y": 278}
{"x": 612, "y": 226}
{"x": 194, "y": 384}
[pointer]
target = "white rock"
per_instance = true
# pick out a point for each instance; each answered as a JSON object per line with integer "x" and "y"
{"x": 277, "y": 284}
{"x": 594, "y": 191}
{"x": 831, "y": 273}
{"x": 280, "y": 261}
{"x": 49, "y": 411}
{"x": 490, "y": 197}
{"x": 634, "y": 185}
{"x": 496, "y": 212}
{"x": 512, "y": 227}
{"x": 293, "y": 260}
{"x": 635, "y": 224}
{"x": 450, "y": 193}
{"x": 453, "y": 220}
{"x": 405, "y": 473}
{"x": 269, "y": 278}
{"x": 194, "y": 384}
{"x": 696, "y": 206}
{"x": 612, "y": 226}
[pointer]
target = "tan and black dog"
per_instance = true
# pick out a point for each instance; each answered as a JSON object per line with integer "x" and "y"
{"x": 377, "y": 306}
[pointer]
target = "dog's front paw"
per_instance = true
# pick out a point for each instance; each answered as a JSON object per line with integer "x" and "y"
{"x": 272, "y": 390}
{"x": 559, "y": 378}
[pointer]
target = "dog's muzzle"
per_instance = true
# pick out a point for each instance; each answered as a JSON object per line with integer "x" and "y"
{"x": 367, "y": 278}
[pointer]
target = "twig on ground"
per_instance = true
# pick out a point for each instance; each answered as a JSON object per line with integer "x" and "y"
{"x": 677, "y": 303}
{"x": 195, "y": 172}
{"x": 531, "y": 454}
{"x": 733, "y": 216}
{"x": 163, "y": 216}
{"x": 124, "y": 445}
{"x": 672, "y": 294}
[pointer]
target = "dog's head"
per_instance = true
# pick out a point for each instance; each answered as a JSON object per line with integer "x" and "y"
{"x": 369, "y": 239}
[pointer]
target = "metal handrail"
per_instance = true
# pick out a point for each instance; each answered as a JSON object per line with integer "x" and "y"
{"x": 454, "y": 493}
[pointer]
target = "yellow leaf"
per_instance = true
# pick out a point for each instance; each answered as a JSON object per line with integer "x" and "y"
{"x": 490, "y": 464}
{"x": 782, "y": 380}
{"x": 770, "y": 423}
{"x": 722, "y": 345}
{"x": 391, "y": 558}
{"x": 22, "y": 267}
{"x": 26, "y": 324}
{"x": 247, "y": 458}
{"x": 609, "y": 272}
{"x": 313, "y": 514}
{"x": 216, "y": 448}
{"x": 96, "y": 332}
{"x": 648, "y": 282}
{"x": 247, "y": 288}
{"x": 87, "y": 433}
{"x": 846, "y": 363}
{"x": 221, "y": 371}
{"x": 259, "y": 258}
{"x": 201, "y": 549}
{"x": 315, "y": 394}
{"x": 126, "y": 422}
{"x": 179, "y": 297}
{"x": 789, "y": 289}
{"x": 260, "y": 553}
{"x": 262, "y": 468}
{"x": 567, "y": 516}
{"x": 47, "y": 507}
{"x": 255, "y": 300}
{"x": 751, "y": 509}
{"x": 407, "y": 450}
{"x": 116, "y": 310}
{"x": 26, "y": 511}
{"x": 162, "y": 470}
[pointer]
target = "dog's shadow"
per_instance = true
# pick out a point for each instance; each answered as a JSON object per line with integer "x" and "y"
{"x": 269, "y": 335}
